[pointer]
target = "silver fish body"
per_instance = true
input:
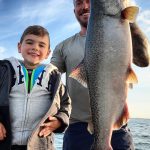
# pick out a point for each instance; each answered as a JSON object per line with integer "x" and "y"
{"x": 108, "y": 55}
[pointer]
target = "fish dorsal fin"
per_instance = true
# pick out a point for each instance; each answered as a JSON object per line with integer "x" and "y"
{"x": 130, "y": 13}
{"x": 131, "y": 77}
{"x": 79, "y": 74}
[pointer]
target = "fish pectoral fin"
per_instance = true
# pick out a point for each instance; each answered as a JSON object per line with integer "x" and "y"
{"x": 131, "y": 78}
{"x": 79, "y": 74}
{"x": 130, "y": 13}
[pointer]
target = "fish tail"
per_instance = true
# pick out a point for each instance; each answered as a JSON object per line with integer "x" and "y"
{"x": 141, "y": 50}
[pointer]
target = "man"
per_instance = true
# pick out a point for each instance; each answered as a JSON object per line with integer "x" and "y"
{"x": 67, "y": 55}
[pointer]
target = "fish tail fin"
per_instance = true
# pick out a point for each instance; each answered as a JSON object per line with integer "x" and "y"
{"x": 79, "y": 74}
{"x": 140, "y": 46}
{"x": 123, "y": 119}
{"x": 130, "y": 13}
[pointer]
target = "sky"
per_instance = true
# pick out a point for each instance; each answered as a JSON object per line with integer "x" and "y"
{"x": 58, "y": 18}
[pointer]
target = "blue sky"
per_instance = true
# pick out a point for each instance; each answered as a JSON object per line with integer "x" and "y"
{"x": 58, "y": 17}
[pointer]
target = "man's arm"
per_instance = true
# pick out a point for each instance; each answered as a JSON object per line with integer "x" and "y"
{"x": 58, "y": 59}
{"x": 2, "y": 132}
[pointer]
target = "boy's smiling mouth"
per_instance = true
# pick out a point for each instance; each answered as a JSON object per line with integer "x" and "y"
{"x": 34, "y": 54}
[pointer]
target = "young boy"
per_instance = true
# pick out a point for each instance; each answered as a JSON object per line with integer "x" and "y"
{"x": 33, "y": 101}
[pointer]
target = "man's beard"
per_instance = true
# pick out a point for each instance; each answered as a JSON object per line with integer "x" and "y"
{"x": 83, "y": 23}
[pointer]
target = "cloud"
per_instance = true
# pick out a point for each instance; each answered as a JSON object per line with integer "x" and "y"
{"x": 68, "y": 29}
{"x": 144, "y": 21}
{"x": 144, "y": 17}
{"x": 71, "y": 26}
{"x": 2, "y": 52}
{"x": 133, "y": 2}
{"x": 2, "y": 49}
{"x": 44, "y": 13}
{"x": 7, "y": 34}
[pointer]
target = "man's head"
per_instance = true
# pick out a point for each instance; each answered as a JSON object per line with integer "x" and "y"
{"x": 34, "y": 46}
{"x": 82, "y": 11}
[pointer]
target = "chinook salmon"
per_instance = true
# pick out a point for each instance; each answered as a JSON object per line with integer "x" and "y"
{"x": 107, "y": 67}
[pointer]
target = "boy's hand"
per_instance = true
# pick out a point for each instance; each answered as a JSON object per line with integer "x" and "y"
{"x": 2, "y": 132}
{"x": 50, "y": 126}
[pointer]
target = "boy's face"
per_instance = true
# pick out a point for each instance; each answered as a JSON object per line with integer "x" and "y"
{"x": 34, "y": 49}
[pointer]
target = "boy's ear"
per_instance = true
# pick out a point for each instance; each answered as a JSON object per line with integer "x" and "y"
{"x": 19, "y": 47}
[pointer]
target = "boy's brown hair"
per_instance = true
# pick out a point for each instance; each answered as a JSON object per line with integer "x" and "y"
{"x": 35, "y": 30}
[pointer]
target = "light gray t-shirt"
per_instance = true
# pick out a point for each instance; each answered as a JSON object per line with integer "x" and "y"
{"x": 67, "y": 55}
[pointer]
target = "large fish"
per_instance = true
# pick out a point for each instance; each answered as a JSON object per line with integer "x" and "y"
{"x": 107, "y": 64}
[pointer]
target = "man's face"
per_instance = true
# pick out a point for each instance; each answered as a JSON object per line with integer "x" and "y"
{"x": 82, "y": 11}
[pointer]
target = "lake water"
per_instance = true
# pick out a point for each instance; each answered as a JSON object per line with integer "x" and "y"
{"x": 140, "y": 129}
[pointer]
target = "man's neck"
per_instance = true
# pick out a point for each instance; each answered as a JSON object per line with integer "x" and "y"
{"x": 83, "y": 31}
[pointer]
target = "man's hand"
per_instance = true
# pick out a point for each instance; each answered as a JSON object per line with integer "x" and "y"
{"x": 50, "y": 126}
{"x": 2, "y": 132}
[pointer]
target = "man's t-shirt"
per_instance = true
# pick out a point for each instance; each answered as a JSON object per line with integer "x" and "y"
{"x": 66, "y": 56}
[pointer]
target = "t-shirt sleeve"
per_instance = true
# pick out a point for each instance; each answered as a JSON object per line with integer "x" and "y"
{"x": 58, "y": 58}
